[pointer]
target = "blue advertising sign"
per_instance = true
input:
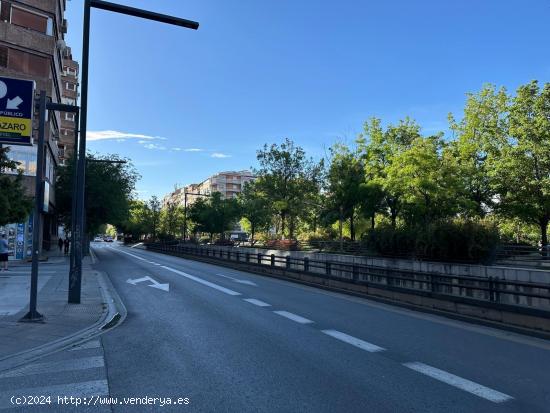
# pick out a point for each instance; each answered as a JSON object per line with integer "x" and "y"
{"x": 16, "y": 107}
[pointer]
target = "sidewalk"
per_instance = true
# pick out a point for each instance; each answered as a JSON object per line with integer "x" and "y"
{"x": 64, "y": 324}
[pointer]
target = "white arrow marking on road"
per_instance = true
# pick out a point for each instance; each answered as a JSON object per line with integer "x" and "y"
{"x": 14, "y": 103}
{"x": 164, "y": 287}
{"x": 237, "y": 280}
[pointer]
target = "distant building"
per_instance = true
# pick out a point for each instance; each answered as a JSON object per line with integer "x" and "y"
{"x": 69, "y": 93}
{"x": 229, "y": 184}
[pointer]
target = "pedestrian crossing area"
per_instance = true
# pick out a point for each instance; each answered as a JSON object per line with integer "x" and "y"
{"x": 73, "y": 380}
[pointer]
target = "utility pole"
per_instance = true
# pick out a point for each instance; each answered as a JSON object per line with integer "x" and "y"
{"x": 81, "y": 169}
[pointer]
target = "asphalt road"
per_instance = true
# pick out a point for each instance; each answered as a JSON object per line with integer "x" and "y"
{"x": 234, "y": 341}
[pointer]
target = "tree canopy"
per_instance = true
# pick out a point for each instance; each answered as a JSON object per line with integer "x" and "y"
{"x": 109, "y": 189}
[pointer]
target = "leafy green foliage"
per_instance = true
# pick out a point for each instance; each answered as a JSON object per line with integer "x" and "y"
{"x": 214, "y": 215}
{"x": 14, "y": 203}
{"x": 290, "y": 180}
{"x": 108, "y": 191}
{"x": 454, "y": 240}
{"x": 521, "y": 174}
{"x": 255, "y": 207}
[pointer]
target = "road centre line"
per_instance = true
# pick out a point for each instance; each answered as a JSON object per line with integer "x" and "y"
{"x": 237, "y": 280}
{"x": 354, "y": 341}
{"x": 256, "y": 302}
{"x": 294, "y": 317}
{"x": 435, "y": 373}
{"x": 127, "y": 253}
{"x": 459, "y": 382}
{"x": 201, "y": 281}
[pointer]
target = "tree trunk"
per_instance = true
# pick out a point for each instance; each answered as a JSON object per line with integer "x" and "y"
{"x": 352, "y": 226}
{"x": 283, "y": 225}
{"x": 252, "y": 231}
{"x": 291, "y": 227}
{"x": 393, "y": 218}
{"x": 372, "y": 221}
{"x": 544, "y": 230}
{"x": 340, "y": 228}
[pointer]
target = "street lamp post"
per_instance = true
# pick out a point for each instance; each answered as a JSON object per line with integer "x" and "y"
{"x": 81, "y": 170}
{"x": 185, "y": 211}
{"x": 44, "y": 105}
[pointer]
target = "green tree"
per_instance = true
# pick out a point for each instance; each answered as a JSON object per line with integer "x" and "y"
{"x": 14, "y": 204}
{"x": 379, "y": 149}
{"x": 521, "y": 174}
{"x": 478, "y": 138}
{"x": 214, "y": 215}
{"x": 136, "y": 224}
{"x": 289, "y": 180}
{"x": 153, "y": 216}
{"x": 255, "y": 208}
{"x": 171, "y": 219}
{"x": 108, "y": 191}
{"x": 345, "y": 179}
{"x": 426, "y": 180}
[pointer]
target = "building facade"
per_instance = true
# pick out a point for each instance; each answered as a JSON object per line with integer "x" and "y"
{"x": 32, "y": 47}
{"x": 229, "y": 184}
{"x": 69, "y": 96}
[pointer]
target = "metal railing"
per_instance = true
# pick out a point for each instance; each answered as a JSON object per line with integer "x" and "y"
{"x": 517, "y": 296}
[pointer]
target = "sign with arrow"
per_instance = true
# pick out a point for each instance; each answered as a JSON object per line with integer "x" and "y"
{"x": 155, "y": 284}
{"x": 16, "y": 108}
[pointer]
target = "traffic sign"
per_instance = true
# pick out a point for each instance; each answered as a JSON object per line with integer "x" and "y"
{"x": 16, "y": 107}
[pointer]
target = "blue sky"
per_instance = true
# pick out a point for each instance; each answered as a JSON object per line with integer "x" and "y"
{"x": 184, "y": 104}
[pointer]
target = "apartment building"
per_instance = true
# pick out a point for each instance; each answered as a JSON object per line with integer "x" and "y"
{"x": 228, "y": 183}
{"x": 32, "y": 47}
{"x": 69, "y": 96}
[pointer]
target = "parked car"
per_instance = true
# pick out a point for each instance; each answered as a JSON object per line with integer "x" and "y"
{"x": 98, "y": 239}
{"x": 108, "y": 239}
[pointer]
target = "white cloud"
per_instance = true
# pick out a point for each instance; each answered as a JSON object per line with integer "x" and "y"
{"x": 177, "y": 149}
{"x": 113, "y": 134}
{"x": 154, "y": 146}
{"x": 220, "y": 155}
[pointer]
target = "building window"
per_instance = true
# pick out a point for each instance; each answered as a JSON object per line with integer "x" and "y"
{"x": 29, "y": 20}
{"x": 28, "y": 63}
{"x": 70, "y": 86}
{"x": 69, "y": 116}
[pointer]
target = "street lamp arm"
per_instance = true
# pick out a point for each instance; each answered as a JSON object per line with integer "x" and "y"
{"x": 144, "y": 14}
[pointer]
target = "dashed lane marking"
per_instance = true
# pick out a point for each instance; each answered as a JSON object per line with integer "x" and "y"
{"x": 354, "y": 341}
{"x": 459, "y": 382}
{"x": 256, "y": 302}
{"x": 294, "y": 317}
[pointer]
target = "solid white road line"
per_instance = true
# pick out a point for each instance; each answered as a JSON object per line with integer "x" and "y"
{"x": 56, "y": 366}
{"x": 363, "y": 345}
{"x": 83, "y": 389}
{"x": 201, "y": 281}
{"x": 246, "y": 282}
{"x": 256, "y": 302}
{"x": 459, "y": 382}
{"x": 86, "y": 345}
{"x": 293, "y": 317}
{"x": 131, "y": 255}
